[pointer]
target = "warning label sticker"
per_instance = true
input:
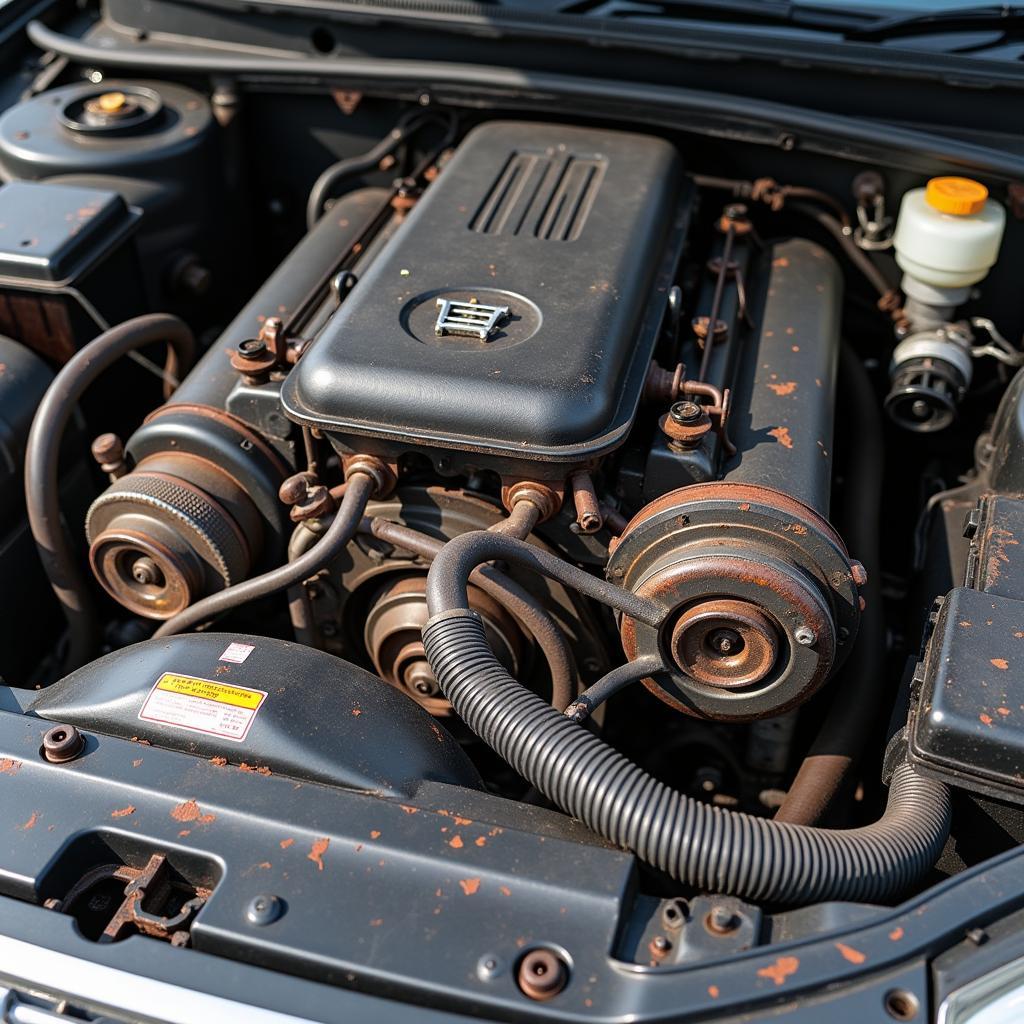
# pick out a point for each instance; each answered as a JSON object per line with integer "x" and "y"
{"x": 202, "y": 705}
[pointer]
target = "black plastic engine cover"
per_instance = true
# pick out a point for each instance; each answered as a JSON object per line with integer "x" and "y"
{"x": 265, "y": 703}
{"x": 576, "y": 233}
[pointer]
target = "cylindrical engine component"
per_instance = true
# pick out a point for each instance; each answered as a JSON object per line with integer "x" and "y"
{"x": 764, "y": 596}
{"x": 154, "y": 143}
{"x": 929, "y": 375}
{"x": 200, "y": 512}
{"x": 197, "y": 514}
{"x": 784, "y": 394}
{"x": 175, "y": 529}
{"x": 392, "y": 635}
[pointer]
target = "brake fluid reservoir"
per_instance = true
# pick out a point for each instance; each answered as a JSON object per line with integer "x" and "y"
{"x": 948, "y": 233}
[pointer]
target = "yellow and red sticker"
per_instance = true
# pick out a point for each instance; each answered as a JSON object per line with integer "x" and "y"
{"x": 203, "y": 705}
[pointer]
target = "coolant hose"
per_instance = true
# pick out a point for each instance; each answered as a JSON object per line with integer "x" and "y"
{"x": 334, "y": 540}
{"x": 42, "y": 490}
{"x": 702, "y": 845}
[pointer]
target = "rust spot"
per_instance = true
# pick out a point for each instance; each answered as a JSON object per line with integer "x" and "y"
{"x": 375, "y": 834}
{"x": 713, "y": 991}
{"x": 438, "y": 735}
{"x": 785, "y": 388}
{"x": 797, "y": 528}
{"x": 376, "y": 922}
{"x": 123, "y": 812}
{"x": 285, "y": 843}
{"x": 851, "y": 955}
{"x": 8, "y": 766}
{"x": 140, "y": 740}
{"x": 469, "y": 885}
{"x": 219, "y": 761}
{"x": 744, "y": 506}
{"x": 137, "y": 762}
{"x": 1003, "y": 711}
{"x": 965, "y": 623}
{"x": 780, "y": 261}
{"x": 1000, "y": 663}
{"x": 781, "y": 969}
{"x": 794, "y": 348}
{"x": 481, "y": 841}
{"x": 463, "y": 821}
{"x": 985, "y": 719}
{"x": 455, "y": 842}
{"x": 356, "y": 712}
{"x": 504, "y": 890}
{"x": 781, "y": 434}
{"x": 408, "y": 809}
{"x": 896, "y": 934}
{"x": 1019, "y": 634}
{"x": 316, "y": 854}
{"x": 31, "y": 823}
{"x": 185, "y": 832}
{"x": 189, "y": 811}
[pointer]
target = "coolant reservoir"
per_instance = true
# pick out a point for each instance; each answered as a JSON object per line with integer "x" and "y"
{"x": 948, "y": 233}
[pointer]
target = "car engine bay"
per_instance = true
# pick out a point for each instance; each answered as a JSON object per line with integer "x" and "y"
{"x": 500, "y": 561}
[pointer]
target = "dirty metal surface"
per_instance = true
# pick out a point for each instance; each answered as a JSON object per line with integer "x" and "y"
{"x": 368, "y": 884}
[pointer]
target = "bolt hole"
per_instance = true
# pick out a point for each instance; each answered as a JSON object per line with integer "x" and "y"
{"x": 901, "y": 1004}
{"x": 59, "y": 737}
{"x": 322, "y": 40}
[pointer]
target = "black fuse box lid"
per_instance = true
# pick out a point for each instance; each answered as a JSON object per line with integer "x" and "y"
{"x": 968, "y": 725}
{"x": 51, "y": 234}
{"x": 574, "y": 233}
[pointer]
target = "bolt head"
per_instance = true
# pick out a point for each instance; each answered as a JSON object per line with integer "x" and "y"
{"x": 62, "y": 743}
{"x": 264, "y": 909}
{"x": 805, "y": 636}
{"x": 252, "y": 348}
{"x": 685, "y": 412}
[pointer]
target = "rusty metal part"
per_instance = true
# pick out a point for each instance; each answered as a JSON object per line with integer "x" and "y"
{"x": 542, "y": 974}
{"x": 545, "y": 495}
{"x": 614, "y": 520}
{"x": 392, "y": 637}
{"x": 383, "y": 474}
{"x": 108, "y": 451}
{"x": 718, "y": 408}
{"x": 765, "y": 597}
{"x": 701, "y": 326}
{"x": 734, "y": 220}
{"x": 62, "y": 743}
{"x": 725, "y": 643}
{"x": 686, "y": 424}
{"x": 177, "y": 527}
{"x": 254, "y": 358}
{"x": 659, "y": 947}
{"x": 521, "y": 520}
{"x": 663, "y": 387}
{"x": 588, "y": 509}
{"x": 308, "y": 498}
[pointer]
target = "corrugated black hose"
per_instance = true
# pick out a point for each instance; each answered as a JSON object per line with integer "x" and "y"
{"x": 706, "y": 846}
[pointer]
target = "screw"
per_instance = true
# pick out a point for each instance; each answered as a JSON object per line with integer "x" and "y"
{"x": 62, "y": 743}
{"x": 489, "y": 967}
{"x": 146, "y": 572}
{"x": 805, "y": 636}
{"x": 252, "y": 348}
{"x": 659, "y": 947}
{"x": 858, "y": 573}
{"x": 685, "y": 412}
{"x": 722, "y": 920}
{"x": 725, "y": 641}
{"x": 542, "y": 974}
{"x": 263, "y": 909}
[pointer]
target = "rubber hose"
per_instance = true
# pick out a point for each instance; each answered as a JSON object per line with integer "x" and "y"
{"x": 709, "y": 847}
{"x": 700, "y": 844}
{"x": 331, "y": 544}
{"x": 517, "y": 599}
{"x": 859, "y": 692}
{"x": 42, "y": 491}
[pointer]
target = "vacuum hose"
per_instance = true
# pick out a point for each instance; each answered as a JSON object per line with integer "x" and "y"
{"x": 702, "y": 845}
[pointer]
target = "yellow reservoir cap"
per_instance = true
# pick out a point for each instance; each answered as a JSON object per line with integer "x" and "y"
{"x": 959, "y": 196}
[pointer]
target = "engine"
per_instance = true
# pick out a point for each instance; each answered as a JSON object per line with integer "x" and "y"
{"x": 544, "y": 467}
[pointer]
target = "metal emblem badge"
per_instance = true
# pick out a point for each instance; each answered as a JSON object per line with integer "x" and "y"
{"x": 470, "y": 319}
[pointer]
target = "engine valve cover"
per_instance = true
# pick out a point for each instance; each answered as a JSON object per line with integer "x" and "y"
{"x": 514, "y": 313}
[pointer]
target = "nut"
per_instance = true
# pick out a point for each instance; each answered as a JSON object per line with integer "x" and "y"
{"x": 542, "y": 974}
{"x": 62, "y": 743}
